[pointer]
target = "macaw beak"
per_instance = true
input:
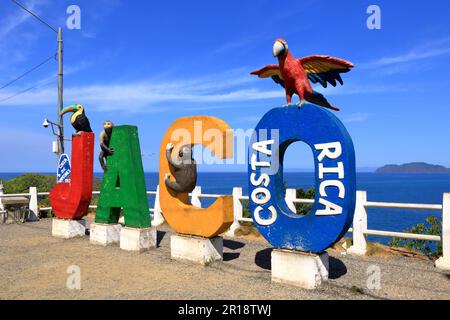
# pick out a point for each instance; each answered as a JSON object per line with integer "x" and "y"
{"x": 71, "y": 108}
{"x": 278, "y": 48}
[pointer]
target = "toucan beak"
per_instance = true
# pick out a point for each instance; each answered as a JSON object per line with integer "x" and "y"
{"x": 278, "y": 48}
{"x": 71, "y": 108}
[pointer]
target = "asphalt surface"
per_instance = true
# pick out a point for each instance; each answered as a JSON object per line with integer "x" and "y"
{"x": 34, "y": 265}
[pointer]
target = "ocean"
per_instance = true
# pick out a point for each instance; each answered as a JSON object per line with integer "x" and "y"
{"x": 413, "y": 188}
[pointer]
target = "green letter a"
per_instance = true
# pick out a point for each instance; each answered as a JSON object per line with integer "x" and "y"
{"x": 123, "y": 184}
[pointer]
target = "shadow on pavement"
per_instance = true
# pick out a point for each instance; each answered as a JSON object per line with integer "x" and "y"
{"x": 159, "y": 236}
{"x": 337, "y": 268}
{"x": 263, "y": 259}
{"x": 233, "y": 245}
{"x": 228, "y": 256}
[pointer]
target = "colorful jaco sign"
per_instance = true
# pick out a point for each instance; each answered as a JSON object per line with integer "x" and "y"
{"x": 123, "y": 185}
{"x": 334, "y": 161}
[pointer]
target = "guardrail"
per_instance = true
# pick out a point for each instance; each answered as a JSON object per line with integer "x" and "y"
{"x": 360, "y": 230}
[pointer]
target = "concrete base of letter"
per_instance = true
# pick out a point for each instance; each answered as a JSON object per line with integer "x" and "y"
{"x": 443, "y": 263}
{"x": 356, "y": 251}
{"x": 300, "y": 269}
{"x": 105, "y": 234}
{"x": 65, "y": 228}
{"x": 200, "y": 250}
{"x": 134, "y": 239}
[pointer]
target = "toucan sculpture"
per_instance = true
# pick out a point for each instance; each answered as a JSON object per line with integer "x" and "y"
{"x": 294, "y": 74}
{"x": 78, "y": 119}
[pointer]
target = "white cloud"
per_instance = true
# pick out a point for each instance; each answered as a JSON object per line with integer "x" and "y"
{"x": 216, "y": 91}
{"x": 149, "y": 95}
{"x": 222, "y": 90}
{"x": 411, "y": 56}
{"x": 356, "y": 89}
{"x": 431, "y": 49}
{"x": 17, "y": 16}
{"x": 12, "y": 21}
{"x": 355, "y": 117}
{"x": 19, "y": 32}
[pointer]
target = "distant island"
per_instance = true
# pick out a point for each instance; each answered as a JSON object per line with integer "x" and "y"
{"x": 413, "y": 167}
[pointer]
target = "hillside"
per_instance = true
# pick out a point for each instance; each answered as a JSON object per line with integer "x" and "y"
{"x": 414, "y": 167}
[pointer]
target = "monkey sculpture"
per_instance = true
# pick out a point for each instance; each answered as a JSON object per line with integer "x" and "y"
{"x": 105, "y": 138}
{"x": 185, "y": 170}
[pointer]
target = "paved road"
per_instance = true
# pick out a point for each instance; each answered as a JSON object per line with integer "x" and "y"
{"x": 34, "y": 264}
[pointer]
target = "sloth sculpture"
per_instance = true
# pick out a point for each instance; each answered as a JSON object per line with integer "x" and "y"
{"x": 185, "y": 170}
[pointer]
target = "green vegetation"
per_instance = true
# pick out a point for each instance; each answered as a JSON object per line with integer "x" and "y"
{"x": 22, "y": 184}
{"x": 432, "y": 226}
{"x": 302, "y": 208}
{"x": 246, "y": 209}
{"x": 43, "y": 183}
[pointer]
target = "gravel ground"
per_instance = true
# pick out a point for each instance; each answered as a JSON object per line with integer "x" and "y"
{"x": 34, "y": 264}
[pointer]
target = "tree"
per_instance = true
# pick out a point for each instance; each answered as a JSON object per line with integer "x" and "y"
{"x": 22, "y": 183}
{"x": 432, "y": 226}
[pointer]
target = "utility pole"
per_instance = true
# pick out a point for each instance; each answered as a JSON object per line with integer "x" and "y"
{"x": 60, "y": 94}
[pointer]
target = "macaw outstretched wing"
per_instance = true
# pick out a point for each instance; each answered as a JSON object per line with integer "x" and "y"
{"x": 273, "y": 71}
{"x": 325, "y": 69}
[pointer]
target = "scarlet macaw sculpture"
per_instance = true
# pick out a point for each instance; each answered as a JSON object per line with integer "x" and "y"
{"x": 293, "y": 74}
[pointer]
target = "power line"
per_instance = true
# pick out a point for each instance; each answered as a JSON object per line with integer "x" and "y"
{"x": 34, "y": 15}
{"x": 28, "y": 72}
{"x": 60, "y": 77}
{"x": 39, "y": 84}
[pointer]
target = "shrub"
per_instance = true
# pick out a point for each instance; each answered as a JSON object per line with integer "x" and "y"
{"x": 432, "y": 226}
{"x": 22, "y": 184}
{"x": 304, "y": 208}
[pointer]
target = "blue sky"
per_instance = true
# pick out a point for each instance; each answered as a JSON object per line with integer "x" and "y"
{"x": 147, "y": 63}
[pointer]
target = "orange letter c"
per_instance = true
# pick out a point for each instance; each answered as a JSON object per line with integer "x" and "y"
{"x": 183, "y": 217}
